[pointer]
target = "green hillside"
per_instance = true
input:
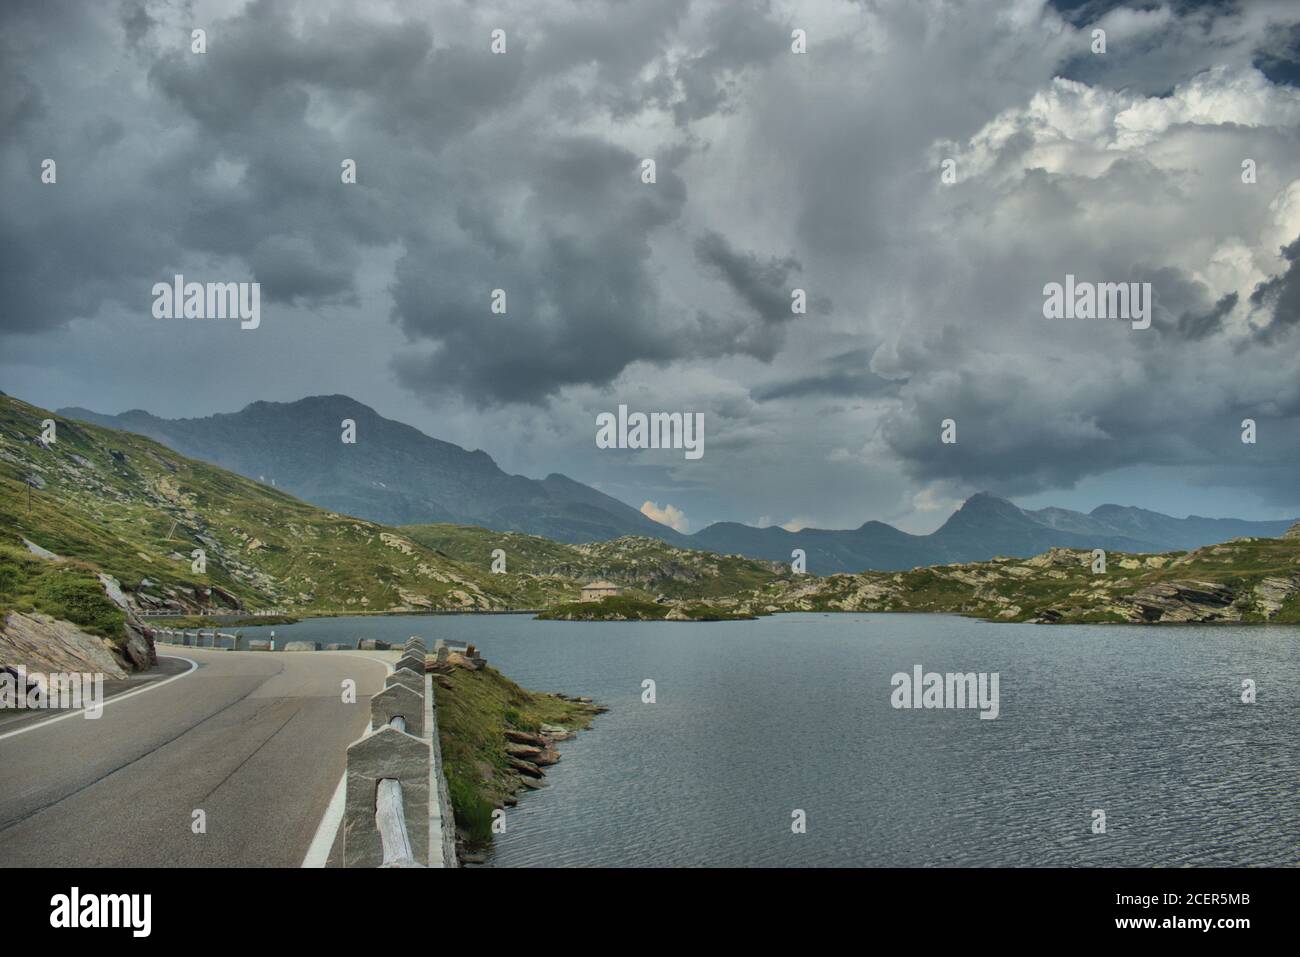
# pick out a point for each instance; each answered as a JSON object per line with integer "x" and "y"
{"x": 136, "y": 510}
{"x": 547, "y": 572}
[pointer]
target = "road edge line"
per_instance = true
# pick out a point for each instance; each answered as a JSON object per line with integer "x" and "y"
{"x": 113, "y": 700}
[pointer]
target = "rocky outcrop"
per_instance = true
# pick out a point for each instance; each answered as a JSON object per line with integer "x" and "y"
{"x": 45, "y": 644}
{"x": 1272, "y": 593}
{"x": 1184, "y": 601}
{"x": 138, "y": 649}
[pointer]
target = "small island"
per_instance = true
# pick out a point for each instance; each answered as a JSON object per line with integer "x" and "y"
{"x": 630, "y": 608}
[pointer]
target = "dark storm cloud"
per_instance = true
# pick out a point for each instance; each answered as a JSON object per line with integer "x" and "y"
{"x": 522, "y": 172}
{"x": 1279, "y": 298}
{"x": 846, "y": 374}
{"x": 765, "y": 285}
{"x": 1199, "y": 325}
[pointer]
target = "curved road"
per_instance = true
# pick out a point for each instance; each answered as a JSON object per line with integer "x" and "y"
{"x": 256, "y": 740}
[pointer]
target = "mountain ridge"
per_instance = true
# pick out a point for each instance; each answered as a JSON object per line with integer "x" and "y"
{"x": 406, "y": 477}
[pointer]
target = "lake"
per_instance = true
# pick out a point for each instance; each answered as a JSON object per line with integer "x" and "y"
{"x": 756, "y": 720}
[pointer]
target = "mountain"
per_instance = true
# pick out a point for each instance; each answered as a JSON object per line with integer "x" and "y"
{"x": 96, "y": 500}
{"x": 394, "y": 474}
{"x": 127, "y": 506}
{"x": 397, "y": 475}
{"x": 984, "y": 527}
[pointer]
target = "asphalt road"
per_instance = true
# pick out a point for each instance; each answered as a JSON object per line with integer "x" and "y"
{"x": 256, "y": 740}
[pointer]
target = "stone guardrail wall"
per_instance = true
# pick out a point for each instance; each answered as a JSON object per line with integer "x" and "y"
{"x": 397, "y": 811}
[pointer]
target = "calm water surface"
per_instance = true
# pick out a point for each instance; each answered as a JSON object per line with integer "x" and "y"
{"x": 756, "y": 719}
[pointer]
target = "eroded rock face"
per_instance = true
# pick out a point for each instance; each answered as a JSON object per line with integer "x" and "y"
{"x": 1184, "y": 601}
{"x": 1272, "y": 593}
{"x": 139, "y": 648}
{"x": 45, "y": 644}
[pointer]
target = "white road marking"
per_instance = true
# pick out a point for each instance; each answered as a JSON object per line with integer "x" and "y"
{"x": 113, "y": 700}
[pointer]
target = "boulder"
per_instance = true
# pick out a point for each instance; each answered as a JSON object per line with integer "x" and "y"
{"x": 525, "y": 737}
{"x": 302, "y": 646}
{"x": 548, "y": 757}
{"x": 373, "y": 644}
{"x": 526, "y": 768}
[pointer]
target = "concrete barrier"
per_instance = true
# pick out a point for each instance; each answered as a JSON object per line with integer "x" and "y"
{"x": 261, "y": 644}
{"x": 302, "y": 646}
{"x": 386, "y": 755}
{"x": 399, "y": 701}
{"x": 409, "y": 678}
{"x": 413, "y": 661}
{"x": 397, "y": 811}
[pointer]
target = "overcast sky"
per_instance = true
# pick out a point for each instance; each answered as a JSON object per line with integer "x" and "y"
{"x": 775, "y": 170}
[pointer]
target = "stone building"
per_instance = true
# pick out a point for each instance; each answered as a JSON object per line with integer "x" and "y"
{"x": 597, "y": 590}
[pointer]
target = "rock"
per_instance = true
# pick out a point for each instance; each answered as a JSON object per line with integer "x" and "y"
{"x": 302, "y": 646}
{"x": 259, "y": 644}
{"x": 1184, "y": 600}
{"x": 1271, "y": 594}
{"x": 526, "y": 768}
{"x": 337, "y": 646}
{"x": 45, "y": 644}
{"x": 457, "y": 660}
{"x": 373, "y": 644}
{"x": 42, "y": 552}
{"x": 525, "y": 737}
{"x": 526, "y": 752}
{"x": 442, "y": 681}
{"x": 553, "y": 729}
{"x": 1293, "y": 531}
{"x": 533, "y": 784}
{"x": 139, "y": 647}
{"x": 548, "y": 757}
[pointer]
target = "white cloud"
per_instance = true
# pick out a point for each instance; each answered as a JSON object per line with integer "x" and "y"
{"x": 669, "y": 515}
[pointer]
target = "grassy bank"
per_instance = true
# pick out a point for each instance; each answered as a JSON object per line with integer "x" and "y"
{"x": 473, "y": 715}
{"x": 65, "y": 590}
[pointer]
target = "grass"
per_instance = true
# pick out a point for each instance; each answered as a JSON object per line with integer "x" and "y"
{"x": 473, "y": 716}
{"x": 65, "y": 590}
